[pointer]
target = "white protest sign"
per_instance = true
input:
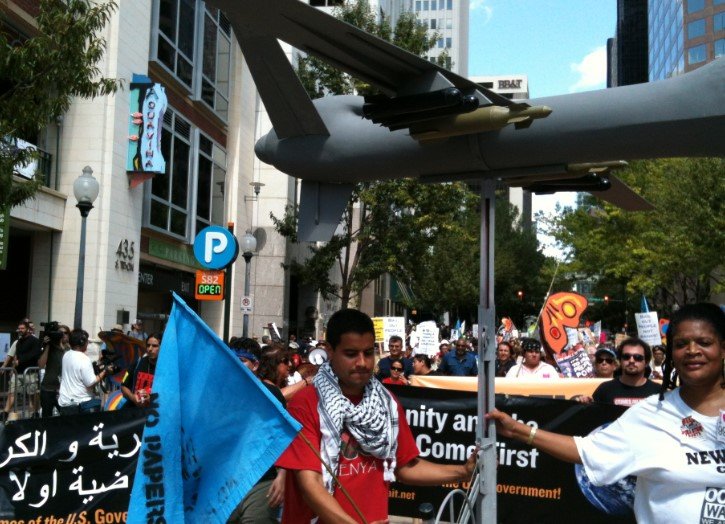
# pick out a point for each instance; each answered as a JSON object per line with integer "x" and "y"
{"x": 648, "y": 327}
{"x": 427, "y": 338}
{"x": 386, "y": 327}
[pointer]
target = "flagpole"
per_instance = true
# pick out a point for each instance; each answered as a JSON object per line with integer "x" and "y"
{"x": 548, "y": 294}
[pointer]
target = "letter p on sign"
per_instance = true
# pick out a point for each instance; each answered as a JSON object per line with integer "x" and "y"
{"x": 215, "y": 242}
{"x": 215, "y": 247}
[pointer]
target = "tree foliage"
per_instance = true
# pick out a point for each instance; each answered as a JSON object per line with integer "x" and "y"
{"x": 673, "y": 254}
{"x": 449, "y": 274}
{"x": 40, "y": 75}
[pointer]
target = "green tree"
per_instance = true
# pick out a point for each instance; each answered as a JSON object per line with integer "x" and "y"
{"x": 673, "y": 254}
{"x": 40, "y": 75}
{"x": 449, "y": 275}
{"x": 388, "y": 226}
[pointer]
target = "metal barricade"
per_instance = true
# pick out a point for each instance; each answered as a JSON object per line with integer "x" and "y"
{"x": 27, "y": 393}
{"x": 7, "y": 377}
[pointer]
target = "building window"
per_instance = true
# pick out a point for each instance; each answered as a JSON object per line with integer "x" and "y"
{"x": 449, "y": 24}
{"x": 433, "y": 5}
{"x": 216, "y": 61}
{"x": 694, "y": 6}
{"x": 449, "y": 42}
{"x": 432, "y": 23}
{"x": 718, "y": 22}
{"x": 417, "y": 5}
{"x": 449, "y": 5}
{"x": 426, "y": 5}
{"x": 210, "y": 183}
{"x": 169, "y": 205}
{"x": 440, "y": 43}
{"x": 697, "y": 54}
{"x": 192, "y": 161}
{"x": 719, "y": 47}
{"x": 199, "y": 57}
{"x": 175, "y": 38}
{"x": 696, "y": 29}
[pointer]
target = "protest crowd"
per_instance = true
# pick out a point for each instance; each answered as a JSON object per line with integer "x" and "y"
{"x": 336, "y": 386}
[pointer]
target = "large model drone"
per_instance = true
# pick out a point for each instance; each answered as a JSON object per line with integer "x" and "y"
{"x": 434, "y": 125}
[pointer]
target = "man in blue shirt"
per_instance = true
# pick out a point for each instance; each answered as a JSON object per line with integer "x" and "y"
{"x": 460, "y": 363}
{"x": 395, "y": 346}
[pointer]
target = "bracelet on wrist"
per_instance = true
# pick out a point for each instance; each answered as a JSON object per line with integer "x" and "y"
{"x": 532, "y": 434}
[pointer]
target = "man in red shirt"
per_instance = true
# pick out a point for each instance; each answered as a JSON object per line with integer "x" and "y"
{"x": 359, "y": 430}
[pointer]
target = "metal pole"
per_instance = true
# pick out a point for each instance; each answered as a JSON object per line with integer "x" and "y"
{"x": 85, "y": 208}
{"x": 247, "y": 274}
{"x": 227, "y": 291}
{"x": 486, "y": 432}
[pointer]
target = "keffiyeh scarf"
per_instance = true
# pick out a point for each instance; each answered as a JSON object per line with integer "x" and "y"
{"x": 373, "y": 423}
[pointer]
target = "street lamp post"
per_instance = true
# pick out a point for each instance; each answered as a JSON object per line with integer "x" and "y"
{"x": 85, "y": 189}
{"x": 248, "y": 246}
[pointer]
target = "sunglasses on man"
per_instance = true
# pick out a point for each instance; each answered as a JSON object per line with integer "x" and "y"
{"x": 636, "y": 358}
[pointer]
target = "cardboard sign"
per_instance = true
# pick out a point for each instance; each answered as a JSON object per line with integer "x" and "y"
{"x": 648, "y": 327}
{"x": 427, "y": 338}
{"x": 386, "y": 327}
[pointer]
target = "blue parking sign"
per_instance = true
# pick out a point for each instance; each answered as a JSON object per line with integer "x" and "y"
{"x": 215, "y": 247}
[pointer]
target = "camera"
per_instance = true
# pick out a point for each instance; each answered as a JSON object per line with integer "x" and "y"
{"x": 106, "y": 363}
{"x": 52, "y": 331}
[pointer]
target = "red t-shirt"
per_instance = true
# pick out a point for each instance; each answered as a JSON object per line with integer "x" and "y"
{"x": 395, "y": 381}
{"x": 361, "y": 474}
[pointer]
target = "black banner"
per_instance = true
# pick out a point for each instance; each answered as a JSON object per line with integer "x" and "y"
{"x": 71, "y": 469}
{"x": 532, "y": 486}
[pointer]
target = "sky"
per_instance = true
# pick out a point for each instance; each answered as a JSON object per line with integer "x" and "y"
{"x": 559, "y": 44}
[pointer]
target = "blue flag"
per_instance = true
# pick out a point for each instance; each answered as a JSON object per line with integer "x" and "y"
{"x": 212, "y": 431}
{"x": 644, "y": 306}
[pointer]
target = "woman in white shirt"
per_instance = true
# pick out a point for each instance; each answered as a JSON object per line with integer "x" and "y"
{"x": 673, "y": 442}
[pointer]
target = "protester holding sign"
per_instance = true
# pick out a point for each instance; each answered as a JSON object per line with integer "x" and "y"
{"x": 673, "y": 442}
{"x": 355, "y": 439}
{"x": 136, "y": 386}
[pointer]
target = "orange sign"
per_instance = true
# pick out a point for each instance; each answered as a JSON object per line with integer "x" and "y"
{"x": 561, "y": 310}
{"x": 209, "y": 285}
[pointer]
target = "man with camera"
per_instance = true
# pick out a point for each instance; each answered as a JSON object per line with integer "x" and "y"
{"x": 55, "y": 344}
{"x": 79, "y": 378}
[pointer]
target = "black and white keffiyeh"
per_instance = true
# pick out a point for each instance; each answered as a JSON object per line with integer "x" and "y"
{"x": 373, "y": 423}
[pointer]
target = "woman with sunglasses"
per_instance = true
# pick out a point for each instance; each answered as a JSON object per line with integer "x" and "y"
{"x": 673, "y": 442}
{"x": 397, "y": 376}
{"x": 274, "y": 369}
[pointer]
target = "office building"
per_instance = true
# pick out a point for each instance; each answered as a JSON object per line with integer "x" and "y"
{"x": 139, "y": 236}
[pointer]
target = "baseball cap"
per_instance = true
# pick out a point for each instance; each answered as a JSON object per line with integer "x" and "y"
{"x": 444, "y": 341}
{"x": 117, "y": 327}
{"x": 605, "y": 351}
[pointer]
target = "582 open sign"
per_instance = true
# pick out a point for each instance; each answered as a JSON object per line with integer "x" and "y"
{"x": 209, "y": 285}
